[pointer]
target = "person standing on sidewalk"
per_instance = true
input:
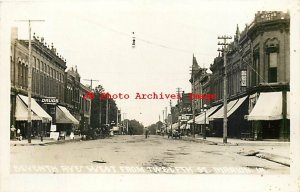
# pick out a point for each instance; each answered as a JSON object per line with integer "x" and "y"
{"x": 18, "y": 134}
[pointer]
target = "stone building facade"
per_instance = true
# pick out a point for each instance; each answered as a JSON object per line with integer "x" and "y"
{"x": 257, "y": 65}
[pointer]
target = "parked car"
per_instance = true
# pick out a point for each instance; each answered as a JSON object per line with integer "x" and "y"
{"x": 176, "y": 134}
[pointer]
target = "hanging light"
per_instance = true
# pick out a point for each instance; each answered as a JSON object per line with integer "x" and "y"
{"x": 133, "y": 40}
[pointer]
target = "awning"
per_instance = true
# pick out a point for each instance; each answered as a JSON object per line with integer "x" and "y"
{"x": 22, "y": 111}
{"x": 38, "y": 113}
{"x": 269, "y": 107}
{"x": 183, "y": 126}
{"x": 201, "y": 118}
{"x": 231, "y": 107}
{"x": 191, "y": 120}
{"x": 63, "y": 116}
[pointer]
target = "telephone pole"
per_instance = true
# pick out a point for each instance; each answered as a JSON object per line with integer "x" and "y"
{"x": 91, "y": 80}
{"x": 124, "y": 123}
{"x": 106, "y": 115}
{"x": 171, "y": 118}
{"x": 178, "y": 90}
{"x": 224, "y": 50}
{"x": 178, "y": 107}
{"x": 192, "y": 98}
{"x": 29, "y": 120}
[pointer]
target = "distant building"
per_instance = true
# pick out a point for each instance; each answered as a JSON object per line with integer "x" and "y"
{"x": 85, "y": 107}
{"x": 200, "y": 85}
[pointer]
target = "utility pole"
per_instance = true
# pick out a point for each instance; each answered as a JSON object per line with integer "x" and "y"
{"x": 193, "y": 102}
{"x": 117, "y": 117}
{"x": 178, "y": 107}
{"x": 91, "y": 80}
{"x": 224, "y": 50}
{"x": 163, "y": 119}
{"x": 178, "y": 90}
{"x": 124, "y": 123}
{"x": 171, "y": 118}
{"x": 29, "y": 120}
{"x": 192, "y": 98}
{"x": 166, "y": 114}
{"x": 106, "y": 115}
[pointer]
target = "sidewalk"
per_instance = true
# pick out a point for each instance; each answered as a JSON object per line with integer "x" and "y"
{"x": 46, "y": 141}
{"x": 272, "y": 150}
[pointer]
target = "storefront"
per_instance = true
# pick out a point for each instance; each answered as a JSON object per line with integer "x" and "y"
{"x": 41, "y": 120}
{"x": 202, "y": 119}
{"x": 268, "y": 118}
{"x": 65, "y": 121}
{"x": 236, "y": 110}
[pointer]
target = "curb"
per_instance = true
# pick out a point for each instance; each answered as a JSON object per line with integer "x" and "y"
{"x": 199, "y": 140}
{"x": 45, "y": 143}
{"x": 274, "y": 158}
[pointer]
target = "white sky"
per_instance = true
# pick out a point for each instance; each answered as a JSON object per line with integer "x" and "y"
{"x": 96, "y": 36}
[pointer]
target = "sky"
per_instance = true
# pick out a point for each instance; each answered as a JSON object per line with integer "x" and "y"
{"x": 96, "y": 36}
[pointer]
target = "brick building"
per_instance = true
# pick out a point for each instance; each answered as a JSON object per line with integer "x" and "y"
{"x": 51, "y": 101}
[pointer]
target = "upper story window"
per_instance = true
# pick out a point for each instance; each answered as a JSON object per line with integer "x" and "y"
{"x": 255, "y": 67}
{"x": 38, "y": 64}
{"x": 34, "y": 62}
{"x": 272, "y": 50}
{"x": 42, "y": 66}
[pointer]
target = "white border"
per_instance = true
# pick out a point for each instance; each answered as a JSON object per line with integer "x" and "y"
{"x": 116, "y": 182}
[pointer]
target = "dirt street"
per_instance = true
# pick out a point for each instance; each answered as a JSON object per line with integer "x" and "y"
{"x": 135, "y": 154}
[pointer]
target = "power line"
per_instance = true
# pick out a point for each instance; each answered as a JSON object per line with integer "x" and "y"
{"x": 142, "y": 39}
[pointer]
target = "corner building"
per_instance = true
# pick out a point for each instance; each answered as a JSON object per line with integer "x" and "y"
{"x": 258, "y": 75}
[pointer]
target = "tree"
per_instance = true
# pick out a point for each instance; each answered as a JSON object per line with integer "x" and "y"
{"x": 154, "y": 127}
{"x": 135, "y": 127}
{"x": 95, "y": 109}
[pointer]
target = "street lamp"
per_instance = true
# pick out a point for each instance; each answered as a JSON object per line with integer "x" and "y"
{"x": 204, "y": 130}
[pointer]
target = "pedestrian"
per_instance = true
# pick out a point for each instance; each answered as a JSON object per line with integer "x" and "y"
{"x": 146, "y": 132}
{"x": 18, "y": 134}
{"x": 13, "y": 132}
{"x": 72, "y": 135}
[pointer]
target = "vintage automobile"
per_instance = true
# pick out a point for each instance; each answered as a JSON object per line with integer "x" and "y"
{"x": 175, "y": 134}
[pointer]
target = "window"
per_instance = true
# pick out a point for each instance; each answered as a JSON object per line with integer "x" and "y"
{"x": 272, "y": 57}
{"x": 38, "y": 64}
{"x": 272, "y": 50}
{"x": 42, "y": 66}
{"x": 34, "y": 62}
{"x": 254, "y": 70}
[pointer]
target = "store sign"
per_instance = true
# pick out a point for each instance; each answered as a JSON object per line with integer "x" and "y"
{"x": 243, "y": 78}
{"x": 50, "y": 100}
